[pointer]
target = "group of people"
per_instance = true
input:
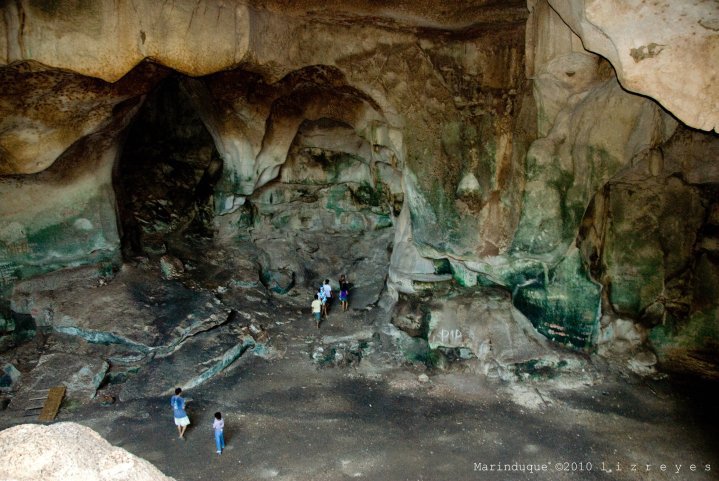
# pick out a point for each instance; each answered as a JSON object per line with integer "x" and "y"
{"x": 320, "y": 308}
{"x": 182, "y": 420}
{"x": 324, "y": 296}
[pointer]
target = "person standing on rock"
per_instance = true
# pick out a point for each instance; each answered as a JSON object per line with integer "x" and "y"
{"x": 317, "y": 309}
{"x": 178, "y": 408}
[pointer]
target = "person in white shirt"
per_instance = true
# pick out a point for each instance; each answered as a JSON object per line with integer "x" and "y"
{"x": 328, "y": 295}
{"x": 219, "y": 426}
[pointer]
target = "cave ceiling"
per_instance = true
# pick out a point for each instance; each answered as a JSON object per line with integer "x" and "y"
{"x": 413, "y": 14}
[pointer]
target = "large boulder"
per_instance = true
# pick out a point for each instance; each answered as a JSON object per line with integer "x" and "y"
{"x": 485, "y": 322}
{"x": 63, "y": 451}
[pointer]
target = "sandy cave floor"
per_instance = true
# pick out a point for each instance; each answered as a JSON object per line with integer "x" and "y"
{"x": 288, "y": 419}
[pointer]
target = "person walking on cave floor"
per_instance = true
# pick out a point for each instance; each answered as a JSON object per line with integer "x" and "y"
{"x": 178, "y": 410}
{"x": 323, "y": 299}
{"x": 218, "y": 425}
{"x": 317, "y": 309}
{"x": 328, "y": 294}
{"x": 344, "y": 293}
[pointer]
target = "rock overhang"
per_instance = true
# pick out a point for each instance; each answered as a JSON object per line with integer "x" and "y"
{"x": 105, "y": 40}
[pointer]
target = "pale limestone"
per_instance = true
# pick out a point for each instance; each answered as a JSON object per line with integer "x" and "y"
{"x": 68, "y": 451}
{"x": 664, "y": 49}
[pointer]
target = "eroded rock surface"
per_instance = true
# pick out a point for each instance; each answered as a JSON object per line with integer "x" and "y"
{"x": 407, "y": 146}
{"x": 658, "y": 49}
{"x": 68, "y": 451}
{"x": 178, "y": 178}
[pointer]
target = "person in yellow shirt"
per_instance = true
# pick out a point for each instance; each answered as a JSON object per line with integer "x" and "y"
{"x": 317, "y": 309}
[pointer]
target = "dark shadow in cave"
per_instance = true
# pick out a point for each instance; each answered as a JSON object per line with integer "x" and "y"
{"x": 166, "y": 173}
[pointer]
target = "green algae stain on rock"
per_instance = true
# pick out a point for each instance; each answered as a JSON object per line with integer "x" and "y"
{"x": 442, "y": 266}
{"x": 368, "y": 195}
{"x": 279, "y": 281}
{"x": 435, "y": 221}
{"x": 463, "y": 276}
{"x": 85, "y": 238}
{"x": 337, "y": 199}
{"x": 702, "y": 330}
{"x": 515, "y": 272}
{"x": 565, "y": 309}
{"x": 382, "y": 222}
{"x": 698, "y": 334}
{"x": 689, "y": 346}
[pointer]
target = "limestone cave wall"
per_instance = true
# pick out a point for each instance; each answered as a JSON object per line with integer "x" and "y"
{"x": 534, "y": 149}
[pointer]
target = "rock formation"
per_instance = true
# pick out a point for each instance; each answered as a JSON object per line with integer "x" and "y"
{"x": 545, "y": 149}
{"x": 68, "y": 451}
{"x": 657, "y": 49}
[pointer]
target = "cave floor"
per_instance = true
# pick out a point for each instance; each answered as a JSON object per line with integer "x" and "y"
{"x": 288, "y": 417}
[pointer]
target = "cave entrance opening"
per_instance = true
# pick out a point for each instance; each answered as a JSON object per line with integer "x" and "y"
{"x": 166, "y": 172}
{"x": 310, "y": 190}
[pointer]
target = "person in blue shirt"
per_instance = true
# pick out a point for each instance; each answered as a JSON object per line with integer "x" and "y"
{"x": 323, "y": 299}
{"x": 178, "y": 409}
{"x": 328, "y": 293}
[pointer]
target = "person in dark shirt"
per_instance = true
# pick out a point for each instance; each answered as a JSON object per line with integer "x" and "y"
{"x": 344, "y": 293}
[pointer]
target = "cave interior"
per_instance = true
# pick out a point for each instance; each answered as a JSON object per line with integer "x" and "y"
{"x": 515, "y": 209}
